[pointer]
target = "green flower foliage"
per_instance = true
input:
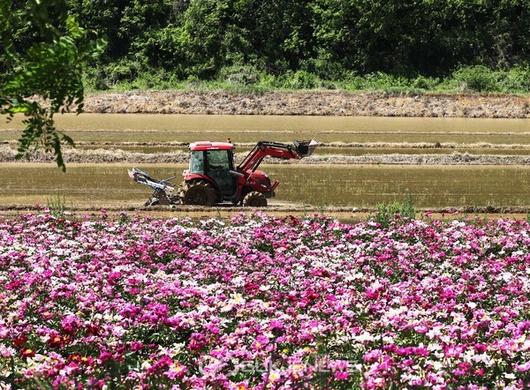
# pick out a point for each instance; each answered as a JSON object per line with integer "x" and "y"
{"x": 386, "y": 213}
{"x": 43, "y": 57}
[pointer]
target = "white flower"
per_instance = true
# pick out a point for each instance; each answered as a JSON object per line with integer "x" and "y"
{"x": 506, "y": 276}
{"x": 484, "y": 358}
{"x": 201, "y": 309}
{"x": 118, "y": 330}
{"x": 227, "y": 308}
{"x": 433, "y": 333}
{"x": 237, "y": 299}
{"x": 363, "y": 337}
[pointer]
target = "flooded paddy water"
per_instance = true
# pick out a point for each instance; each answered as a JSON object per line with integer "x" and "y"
{"x": 251, "y": 128}
{"x": 247, "y": 136}
{"x": 430, "y": 186}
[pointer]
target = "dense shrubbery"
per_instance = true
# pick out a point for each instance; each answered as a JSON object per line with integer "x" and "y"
{"x": 481, "y": 79}
{"x": 476, "y": 78}
{"x": 249, "y": 78}
{"x": 303, "y": 44}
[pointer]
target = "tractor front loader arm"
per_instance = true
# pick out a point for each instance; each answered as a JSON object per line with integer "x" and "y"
{"x": 296, "y": 150}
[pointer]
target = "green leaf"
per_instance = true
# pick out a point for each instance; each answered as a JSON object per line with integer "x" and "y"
{"x": 51, "y": 68}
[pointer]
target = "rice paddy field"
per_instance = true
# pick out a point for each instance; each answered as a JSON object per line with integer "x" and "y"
{"x": 152, "y": 128}
{"x": 318, "y": 185}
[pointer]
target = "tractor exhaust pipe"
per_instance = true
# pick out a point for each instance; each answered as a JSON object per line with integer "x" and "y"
{"x": 305, "y": 148}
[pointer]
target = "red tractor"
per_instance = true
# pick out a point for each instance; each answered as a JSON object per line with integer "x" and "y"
{"x": 212, "y": 177}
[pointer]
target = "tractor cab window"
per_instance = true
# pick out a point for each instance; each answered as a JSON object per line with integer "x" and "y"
{"x": 219, "y": 160}
{"x": 197, "y": 162}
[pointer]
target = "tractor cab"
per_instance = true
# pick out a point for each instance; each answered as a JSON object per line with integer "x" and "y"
{"x": 213, "y": 161}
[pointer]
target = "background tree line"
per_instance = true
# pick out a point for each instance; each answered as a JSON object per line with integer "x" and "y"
{"x": 329, "y": 38}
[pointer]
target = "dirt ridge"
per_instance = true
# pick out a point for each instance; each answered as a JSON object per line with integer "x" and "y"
{"x": 8, "y": 154}
{"x": 275, "y": 207}
{"x": 339, "y": 103}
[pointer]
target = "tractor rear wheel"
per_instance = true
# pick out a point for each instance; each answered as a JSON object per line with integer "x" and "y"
{"x": 199, "y": 193}
{"x": 255, "y": 199}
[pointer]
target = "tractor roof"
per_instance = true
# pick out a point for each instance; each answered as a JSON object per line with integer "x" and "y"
{"x": 207, "y": 145}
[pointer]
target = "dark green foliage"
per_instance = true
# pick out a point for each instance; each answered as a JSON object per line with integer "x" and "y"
{"x": 300, "y": 80}
{"x": 44, "y": 51}
{"x": 240, "y": 74}
{"x": 328, "y": 39}
{"x": 476, "y": 78}
{"x": 425, "y": 37}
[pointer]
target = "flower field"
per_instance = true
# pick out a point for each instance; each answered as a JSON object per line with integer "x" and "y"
{"x": 263, "y": 303}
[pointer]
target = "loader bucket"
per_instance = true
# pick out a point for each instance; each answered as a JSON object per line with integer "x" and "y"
{"x": 305, "y": 148}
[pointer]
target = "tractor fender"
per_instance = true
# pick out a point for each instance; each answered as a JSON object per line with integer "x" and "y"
{"x": 259, "y": 181}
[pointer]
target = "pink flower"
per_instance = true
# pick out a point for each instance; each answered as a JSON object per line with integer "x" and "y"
{"x": 339, "y": 369}
{"x": 197, "y": 342}
{"x": 523, "y": 367}
{"x": 70, "y": 323}
{"x": 372, "y": 356}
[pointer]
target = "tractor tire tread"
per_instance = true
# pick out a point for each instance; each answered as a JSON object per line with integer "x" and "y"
{"x": 255, "y": 199}
{"x": 200, "y": 193}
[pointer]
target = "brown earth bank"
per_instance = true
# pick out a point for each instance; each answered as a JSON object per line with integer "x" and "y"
{"x": 8, "y": 154}
{"x": 341, "y": 213}
{"x": 338, "y": 103}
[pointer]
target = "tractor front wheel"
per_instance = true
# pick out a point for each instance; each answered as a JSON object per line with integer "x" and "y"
{"x": 255, "y": 199}
{"x": 199, "y": 193}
